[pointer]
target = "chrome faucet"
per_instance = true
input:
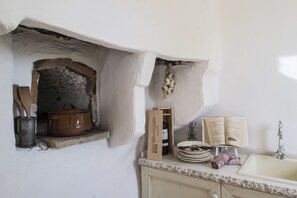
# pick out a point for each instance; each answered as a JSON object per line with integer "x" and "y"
{"x": 280, "y": 153}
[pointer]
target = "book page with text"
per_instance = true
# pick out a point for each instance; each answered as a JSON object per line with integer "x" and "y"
{"x": 236, "y": 131}
{"x": 214, "y": 130}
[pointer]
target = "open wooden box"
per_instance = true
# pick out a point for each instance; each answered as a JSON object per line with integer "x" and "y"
{"x": 168, "y": 115}
{"x": 155, "y": 141}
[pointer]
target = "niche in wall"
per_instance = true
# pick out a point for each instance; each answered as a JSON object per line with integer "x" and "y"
{"x": 61, "y": 82}
{"x": 187, "y": 99}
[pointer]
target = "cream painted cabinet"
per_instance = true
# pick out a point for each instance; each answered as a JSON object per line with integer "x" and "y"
{"x": 162, "y": 184}
{"x": 229, "y": 191}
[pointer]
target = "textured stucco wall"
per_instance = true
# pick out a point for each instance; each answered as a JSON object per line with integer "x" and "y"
{"x": 122, "y": 94}
{"x": 181, "y": 29}
{"x": 91, "y": 168}
{"x": 187, "y": 100}
{"x": 175, "y": 30}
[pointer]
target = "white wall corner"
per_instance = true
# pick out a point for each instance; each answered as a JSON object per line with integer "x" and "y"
{"x": 146, "y": 68}
{"x": 122, "y": 97}
{"x": 139, "y": 111}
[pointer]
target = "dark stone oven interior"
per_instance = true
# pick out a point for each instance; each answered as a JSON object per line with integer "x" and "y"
{"x": 62, "y": 82}
{"x": 58, "y": 87}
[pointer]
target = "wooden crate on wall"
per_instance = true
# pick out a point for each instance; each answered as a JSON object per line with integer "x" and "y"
{"x": 168, "y": 116}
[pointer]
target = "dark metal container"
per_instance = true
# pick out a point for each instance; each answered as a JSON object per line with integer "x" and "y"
{"x": 25, "y": 130}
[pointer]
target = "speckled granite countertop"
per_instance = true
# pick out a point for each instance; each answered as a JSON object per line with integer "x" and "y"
{"x": 226, "y": 175}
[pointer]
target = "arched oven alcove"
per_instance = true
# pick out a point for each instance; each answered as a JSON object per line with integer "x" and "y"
{"x": 59, "y": 82}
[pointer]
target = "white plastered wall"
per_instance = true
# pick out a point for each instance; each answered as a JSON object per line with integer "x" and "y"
{"x": 36, "y": 173}
{"x": 187, "y": 30}
{"x": 258, "y": 79}
{"x": 178, "y": 29}
{"x": 122, "y": 98}
{"x": 187, "y": 100}
{"x": 8, "y": 166}
{"x": 175, "y": 30}
{"x": 50, "y": 169}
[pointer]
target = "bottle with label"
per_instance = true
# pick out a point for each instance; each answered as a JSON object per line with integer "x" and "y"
{"x": 165, "y": 144}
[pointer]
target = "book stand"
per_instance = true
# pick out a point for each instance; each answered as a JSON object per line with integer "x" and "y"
{"x": 226, "y": 148}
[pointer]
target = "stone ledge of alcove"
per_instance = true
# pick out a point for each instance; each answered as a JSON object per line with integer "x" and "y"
{"x": 61, "y": 142}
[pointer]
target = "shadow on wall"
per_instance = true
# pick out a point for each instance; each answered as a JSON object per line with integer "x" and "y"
{"x": 181, "y": 134}
{"x": 187, "y": 99}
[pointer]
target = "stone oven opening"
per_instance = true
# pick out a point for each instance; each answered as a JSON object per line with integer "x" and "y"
{"x": 60, "y": 84}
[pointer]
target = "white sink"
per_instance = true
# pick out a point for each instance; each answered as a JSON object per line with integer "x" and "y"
{"x": 268, "y": 167}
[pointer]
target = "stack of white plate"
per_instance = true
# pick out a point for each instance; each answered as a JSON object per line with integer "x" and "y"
{"x": 194, "y": 151}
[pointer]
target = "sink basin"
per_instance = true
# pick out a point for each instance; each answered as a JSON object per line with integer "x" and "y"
{"x": 268, "y": 167}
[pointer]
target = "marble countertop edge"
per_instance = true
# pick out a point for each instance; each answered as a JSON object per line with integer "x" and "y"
{"x": 170, "y": 164}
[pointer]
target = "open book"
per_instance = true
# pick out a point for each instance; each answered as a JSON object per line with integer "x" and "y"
{"x": 225, "y": 131}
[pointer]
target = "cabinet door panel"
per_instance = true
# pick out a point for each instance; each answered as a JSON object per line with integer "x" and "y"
{"x": 237, "y": 192}
{"x": 168, "y": 188}
{"x": 162, "y": 184}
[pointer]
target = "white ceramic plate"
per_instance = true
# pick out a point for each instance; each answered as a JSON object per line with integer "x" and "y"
{"x": 195, "y": 152}
{"x": 198, "y": 156}
{"x": 190, "y": 143}
{"x": 193, "y": 160}
{"x": 193, "y": 143}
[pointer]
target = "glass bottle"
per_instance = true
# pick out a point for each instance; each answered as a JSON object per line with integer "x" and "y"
{"x": 165, "y": 143}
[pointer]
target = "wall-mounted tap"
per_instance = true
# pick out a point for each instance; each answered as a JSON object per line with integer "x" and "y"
{"x": 280, "y": 153}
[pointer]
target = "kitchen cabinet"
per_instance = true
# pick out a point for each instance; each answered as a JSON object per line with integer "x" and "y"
{"x": 229, "y": 191}
{"x": 163, "y": 184}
